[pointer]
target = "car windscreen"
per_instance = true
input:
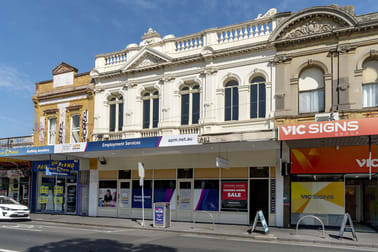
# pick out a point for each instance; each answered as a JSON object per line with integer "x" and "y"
{"x": 7, "y": 201}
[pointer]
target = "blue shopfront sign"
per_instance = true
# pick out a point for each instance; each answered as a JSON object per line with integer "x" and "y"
{"x": 25, "y": 151}
{"x": 56, "y": 168}
{"x": 148, "y": 142}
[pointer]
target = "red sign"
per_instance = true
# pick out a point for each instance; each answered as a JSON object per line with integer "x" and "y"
{"x": 339, "y": 128}
{"x": 234, "y": 191}
{"x": 345, "y": 159}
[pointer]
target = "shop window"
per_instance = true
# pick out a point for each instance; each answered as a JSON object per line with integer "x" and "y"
{"x": 164, "y": 190}
{"x": 107, "y": 195}
{"x": 190, "y": 104}
{"x": 311, "y": 90}
{"x": 206, "y": 195}
{"x": 231, "y": 102}
{"x": 185, "y": 173}
{"x": 150, "y": 109}
{"x": 137, "y": 194}
{"x": 370, "y": 83}
{"x": 75, "y": 129}
{"x": 234, "y": 195}
{"x": 257, "y": 99}
{"x": 115, "y": 112}
{"x": 124, "y": 174}
{"x": 51, "y": 194}
{"x": 259, "y": 172}
{"x": 52, "y": 130}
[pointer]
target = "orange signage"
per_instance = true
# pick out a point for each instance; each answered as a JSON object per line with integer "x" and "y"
{"x": 348, "y": 159}
{"x": 339, "y": 128}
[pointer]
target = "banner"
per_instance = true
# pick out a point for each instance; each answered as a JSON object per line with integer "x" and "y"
{"x": 179, "y": 140}
{"x": 137, "y": 198}
{"x": 339, "y": 128}
{"x": 234, "y": 195}
{"x": 345, "y": 159}
{"x": 41, "y": 129}
{"x": 107, "y": 197}
{"x": 71, "y": 147}
{"x": 84, "y": 126}
{"x": 147, "y": 142}
{"x": 317, "y": 197}
{"x": 25, "y": 151}
{"x": 56, "y": 168}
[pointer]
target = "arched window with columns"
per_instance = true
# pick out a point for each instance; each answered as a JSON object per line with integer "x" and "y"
{"x": 115, "y": 112}
{"x": 370, "y": 83}
{"x": 190, "y": 104}
{"x": 257, "y": 97}
{"x": 231, "y": 101}
{"x": 150, "y": 109}
{"x": 311, "y": 90}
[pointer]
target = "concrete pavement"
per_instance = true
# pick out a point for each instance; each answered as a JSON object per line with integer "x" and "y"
{"x": 365, "y": 240}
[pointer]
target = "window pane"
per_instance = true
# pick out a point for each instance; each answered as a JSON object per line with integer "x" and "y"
{"x": 164, "y": 190}
{"x": 227, "y": 105}
{"x": 261, "y": 100}
{"x": 235, "y": 103}
{"x": 196, "y": 108}
{"x": 317, "y": 101}
{"x": 146, "y": 114}
{"x": 155, "y": 113}
{"x": 120, "y": 116}
{"x": 112, "y": 117}
{"x": 76, "y": 122}
{"x": 258, "y": 79}
{"x": 253, "y": 113}
{"x": 206, "y": 195}
{"x": 304, "y": 102}
{"x": 52, "y": 130}
{"x": 184, "y": 109}
{"x": 370, "y": 95}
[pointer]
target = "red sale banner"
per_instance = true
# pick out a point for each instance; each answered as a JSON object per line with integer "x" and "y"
{"x": 234, "y": 191}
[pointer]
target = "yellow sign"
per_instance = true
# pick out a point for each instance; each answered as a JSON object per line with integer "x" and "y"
{"x": 58, "y": 200}
{"x": 317, "y": 197}
{"x": 43, "y": 199}
{"x": 58, "y": 190}
{"x": 43, "y": 190}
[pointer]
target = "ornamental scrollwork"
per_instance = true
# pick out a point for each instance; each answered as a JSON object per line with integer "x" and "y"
{"x": 310, "y": 28}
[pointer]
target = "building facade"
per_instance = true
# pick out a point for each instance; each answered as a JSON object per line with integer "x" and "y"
{"x": 327, "y": 67}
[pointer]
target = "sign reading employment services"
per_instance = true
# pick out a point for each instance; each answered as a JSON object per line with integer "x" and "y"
{"x": 339, "y": 128}
{"x": 23, "y": 151}
{"x": 148, "y": 142}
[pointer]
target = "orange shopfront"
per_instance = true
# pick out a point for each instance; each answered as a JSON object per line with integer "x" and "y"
{"x": 333, "y": 173}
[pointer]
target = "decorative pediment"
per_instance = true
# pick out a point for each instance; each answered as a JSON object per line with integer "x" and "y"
{"x": 63, "y": 68}
{"x": 147, "y": 57}
{"x": 310, "y": 28}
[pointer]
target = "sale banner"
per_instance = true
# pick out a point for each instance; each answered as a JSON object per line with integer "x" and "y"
{"x": 234, "y": 191}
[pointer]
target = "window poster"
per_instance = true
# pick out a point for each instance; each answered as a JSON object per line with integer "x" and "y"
{"x": 185, "y": 199}
{"x": 234, "y": 196}
{"x": 107, "y": 197}
{"x": 166, "y": 195}
{"x": 43, "y": 194}
{"x": 137, "y": 198}
{"x": 206, "y": 199}
{"x": 124, "y": 197}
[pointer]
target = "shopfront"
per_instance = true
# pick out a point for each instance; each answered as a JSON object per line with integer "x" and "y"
{"x": 56, "y": 186}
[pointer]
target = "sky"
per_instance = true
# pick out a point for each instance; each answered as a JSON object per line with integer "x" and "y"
{"x": 36, "y": 36}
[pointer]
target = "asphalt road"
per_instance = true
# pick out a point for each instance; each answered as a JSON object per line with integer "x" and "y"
{"x": 38, "y": 236}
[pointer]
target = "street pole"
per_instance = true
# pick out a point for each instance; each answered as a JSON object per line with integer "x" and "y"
{"x": 142, "y": 202}
{"x": 141, "y": 183}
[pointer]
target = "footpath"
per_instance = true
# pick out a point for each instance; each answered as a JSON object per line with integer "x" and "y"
{"x": 365, "y": 240}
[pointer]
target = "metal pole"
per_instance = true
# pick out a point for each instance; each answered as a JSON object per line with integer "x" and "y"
{"x": 369, "y": 157}
{"x": 281, "y": 157}
{"x": 143, "y": 204}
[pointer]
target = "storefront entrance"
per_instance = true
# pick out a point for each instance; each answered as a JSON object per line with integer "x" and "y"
{"x": 259, "y": 198}
{"x": 184, "y": 200}
{"x": 124, "y": 195}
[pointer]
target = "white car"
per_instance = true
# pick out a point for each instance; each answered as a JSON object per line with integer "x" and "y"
{"x": 12, "y": 210}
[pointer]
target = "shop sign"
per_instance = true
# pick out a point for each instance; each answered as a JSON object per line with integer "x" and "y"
{"x": 56, "y": 168}
{"x": 179, "y": 140}
{"x": 137, "y": 198}
{"x": 339, "y": 128}
{"x": 73, "y": 147}
{"x": 317, "y": 197}
{"x": 23, "y": 151}
{"x": 148, "y": 142}
{"x": 345, "y": 159}
{"x": 234, "y": 195}
{"x": 16, "y": 173}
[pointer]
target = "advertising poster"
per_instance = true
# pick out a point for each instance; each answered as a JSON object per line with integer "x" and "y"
{"x": 107, "y": 197}
{"x": 234, "y": 195}
{"x": 317, "y": 197}
{"x": 206, "y": 200}
{"x": 159, "y": 215}
{"x": 345, "y": 159}
{"x": 166, "y": 195}
{"x": 43, "y": 194}
{"x": 137, "y": 198}
{"x": 185, "y": 199}
{"x": 124, "y": 197}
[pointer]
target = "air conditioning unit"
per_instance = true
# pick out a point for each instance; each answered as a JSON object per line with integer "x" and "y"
{"x": 333, "y": 116}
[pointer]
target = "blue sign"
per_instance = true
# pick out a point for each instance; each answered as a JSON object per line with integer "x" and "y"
{"x": 24, "y": 151}
{"x": 56, "y": 168}
{"x": 148, "y": 142}
{"x": 159, "y": 215}
{"x": 137, "y": 198}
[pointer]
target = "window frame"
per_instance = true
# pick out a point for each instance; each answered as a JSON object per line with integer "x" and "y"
{"x": 232, "y": 87}
{"x": 49, "y": 130}
{"x": 117, "y": 101}
{"x": 76, "y": 129}
{"x": 257, "y": 84}
{"x": 190, "y": 90}
{"x": 153, "y": 98}
{"x": 311, "y": 91}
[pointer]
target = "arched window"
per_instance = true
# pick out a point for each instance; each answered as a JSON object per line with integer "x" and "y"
{"x": 231, "y": 101}
{"x": 150, "y": 109}
{"x": 370, "y": 83}
{"x": 115, "y": 113}
{"x": 190, "y": 104}
{"x": 75, "y": 129}
{"x": 311, "y": 90}
{"x": 258, "y": 104}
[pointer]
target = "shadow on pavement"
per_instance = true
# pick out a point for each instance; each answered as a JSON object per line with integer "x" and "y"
{"x": 97, "y": 245}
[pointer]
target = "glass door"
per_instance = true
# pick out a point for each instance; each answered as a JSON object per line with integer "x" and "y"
{"x": 71, "y": 192}
{"x": 185, "y": 200}
{"x": 124, "y": 194}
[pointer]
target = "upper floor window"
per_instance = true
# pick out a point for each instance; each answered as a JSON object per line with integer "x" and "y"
{"x": 311, "y": 90}
{"x": 115, "y": 113}
{"x": 231, "y": 101}
{"x": 257, "y": 97}
{"x": 190, "y": 104}
{"x": 51, "y": 130}
{"x": 370, "y": 83}
{"x": 75, "y": 129}
{"x": 150, "y": 109}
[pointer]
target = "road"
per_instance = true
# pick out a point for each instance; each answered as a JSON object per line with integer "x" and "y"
{"x": 50, "y": 237}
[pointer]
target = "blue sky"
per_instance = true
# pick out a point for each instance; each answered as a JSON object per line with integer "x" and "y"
{"x": 37, "y": 35}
